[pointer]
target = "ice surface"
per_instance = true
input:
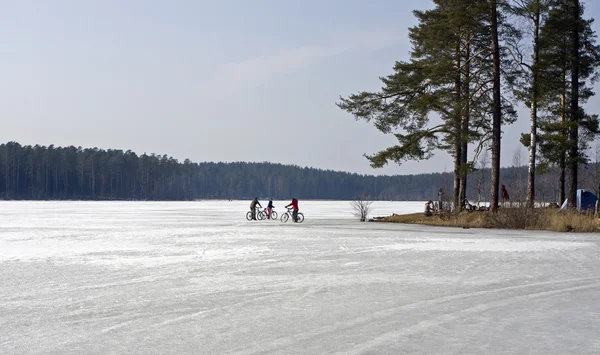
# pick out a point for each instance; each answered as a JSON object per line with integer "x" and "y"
{"x": 197, "y": 278}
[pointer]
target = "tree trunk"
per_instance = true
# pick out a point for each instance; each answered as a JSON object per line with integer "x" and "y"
{"x": 533, "y": 114}
{"x": 497, "y": 113}
{"x": 465, "y": 123}
{"x": 458, "y": 203}
{"x": 562, "y": 159}
{"x": 574, "y": 114}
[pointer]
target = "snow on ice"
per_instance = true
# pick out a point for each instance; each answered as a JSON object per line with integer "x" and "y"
{"x": 197, "y": 278}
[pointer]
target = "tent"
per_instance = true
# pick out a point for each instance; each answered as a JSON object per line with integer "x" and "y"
{"x": 586, "y": 200}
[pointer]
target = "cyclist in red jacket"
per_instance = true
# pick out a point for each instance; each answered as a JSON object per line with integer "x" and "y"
{"x": 295, "y": 209}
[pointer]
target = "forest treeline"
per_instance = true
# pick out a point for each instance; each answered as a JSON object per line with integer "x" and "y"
{"x": 49, "y": 173}
{"x": 472, "y": 63}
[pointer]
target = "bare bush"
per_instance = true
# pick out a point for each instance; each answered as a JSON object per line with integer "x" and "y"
{"x": 445, "y": 206}
{"x": 544, "y": 179}
{"x": 518, "y": 176}
{"x": 361, "y": 207}
{"x": 482, "y": 167}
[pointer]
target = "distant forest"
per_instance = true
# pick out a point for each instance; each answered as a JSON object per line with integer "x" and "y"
{"x": 75, "y": 173}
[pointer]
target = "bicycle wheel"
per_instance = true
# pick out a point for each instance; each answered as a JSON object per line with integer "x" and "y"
{"x": 249, "y": 215}
{"x": 300, "y": 218}
{"x": 273, "y": 215}
{"x": 285, "y": 217}
{"x": 260, "y": 215}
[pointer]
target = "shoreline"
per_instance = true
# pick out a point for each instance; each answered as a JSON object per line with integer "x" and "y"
{"x": 550, "y": 220}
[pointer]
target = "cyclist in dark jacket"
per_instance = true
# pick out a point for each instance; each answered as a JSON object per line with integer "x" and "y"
{"x": 253, "y": 207}
{"x": 270, "y": 208}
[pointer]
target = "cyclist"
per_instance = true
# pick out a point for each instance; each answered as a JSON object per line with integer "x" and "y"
{"x": 295, "y": 209}
{"x": 269, "y": 208}
{"x": 253, "y": 207}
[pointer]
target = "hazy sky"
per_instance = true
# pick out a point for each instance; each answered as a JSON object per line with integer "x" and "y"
{"x": 208, "y": 80}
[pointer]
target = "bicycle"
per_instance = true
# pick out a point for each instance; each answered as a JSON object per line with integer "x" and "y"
{"x": 264, "y": 214}
{"x": 259, "y": 215}
{"x": 290, "y": 213}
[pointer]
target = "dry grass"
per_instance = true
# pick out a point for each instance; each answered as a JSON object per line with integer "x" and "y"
{"x": 508, "y": 218}
{"x": 463, "y": 219}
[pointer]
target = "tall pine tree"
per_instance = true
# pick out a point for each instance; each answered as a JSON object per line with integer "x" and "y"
{"x": 448, "y": 80}
{"x": 569, "y": 61}
{"x": 526, "y": 81}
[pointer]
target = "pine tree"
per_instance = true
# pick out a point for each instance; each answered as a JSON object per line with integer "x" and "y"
{"x": 526, "y": 83}
{"x": 569, "y": 60}
{"x": 449, "y": 75}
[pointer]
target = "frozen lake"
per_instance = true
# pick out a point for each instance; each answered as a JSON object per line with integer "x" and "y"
{"x": 197, "y": 278}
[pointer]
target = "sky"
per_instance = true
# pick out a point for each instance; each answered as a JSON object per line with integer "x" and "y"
{"x": 229, "y": 80}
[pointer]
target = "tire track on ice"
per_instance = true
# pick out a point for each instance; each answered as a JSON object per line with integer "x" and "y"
{"x": 392, "y": 337}
{"x": 291, "y": 341}
{"x": 256, "y": 297}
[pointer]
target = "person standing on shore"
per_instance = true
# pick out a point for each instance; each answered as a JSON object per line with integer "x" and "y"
{"x": 505, "y": 196}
